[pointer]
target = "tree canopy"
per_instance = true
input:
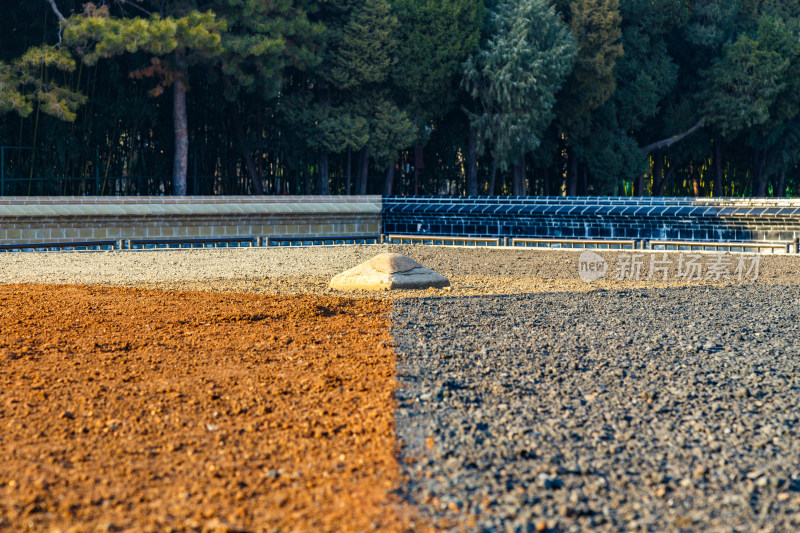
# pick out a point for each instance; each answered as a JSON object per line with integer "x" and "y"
{"x": 515, "y": 76}
{"x": 401, "y": 96}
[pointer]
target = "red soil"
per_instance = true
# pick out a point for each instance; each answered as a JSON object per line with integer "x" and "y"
{"x": 128, "y": 409}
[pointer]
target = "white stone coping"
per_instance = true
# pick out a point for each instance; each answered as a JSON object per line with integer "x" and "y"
{"x": 189, "y": 209}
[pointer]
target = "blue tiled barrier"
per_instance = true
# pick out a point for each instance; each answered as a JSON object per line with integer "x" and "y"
{"x": 661, "y": 218}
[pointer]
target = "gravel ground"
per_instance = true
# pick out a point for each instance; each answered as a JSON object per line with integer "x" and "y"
{"x": 286, "y": 271}
{"x": 654, "y": 409}
{"x": 531, "y": 400}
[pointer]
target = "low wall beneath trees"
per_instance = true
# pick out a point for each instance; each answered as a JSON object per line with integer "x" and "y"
{"x": 64, "y": 219}
{"x": 697, "y": 219}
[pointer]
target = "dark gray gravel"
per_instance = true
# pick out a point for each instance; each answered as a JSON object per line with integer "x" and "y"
{"x": 653, "y": 409}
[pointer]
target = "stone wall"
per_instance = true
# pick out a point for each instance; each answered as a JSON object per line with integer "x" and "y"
{"x": 64, "y": 219}
{"x": 595, "y": 217}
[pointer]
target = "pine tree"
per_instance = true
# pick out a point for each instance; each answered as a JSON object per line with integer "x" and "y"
{"x": 435, "y": 37}
{"x": 596, "y": 26}
{"x": 351, "y": 107}
{"x": 644, "y": 77}
{"x": 262, "y": 40}
{"x": 754, "y": 89}
{"x": 746, "y": 82}
{"x": 367, "y": 47}
{"x": 248, "y": 41}
{"x": 174, "y": 43}
{"x": 514, "y": 79}
{"x": 30, "y": 80}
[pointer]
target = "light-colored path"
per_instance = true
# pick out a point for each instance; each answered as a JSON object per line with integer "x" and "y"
{"x": 309, "y": 270}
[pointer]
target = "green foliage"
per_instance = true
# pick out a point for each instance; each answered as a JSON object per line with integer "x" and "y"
{"x": 96, "y": 35}
{"x": 262, "y": 39}
{"x": 367, "y": 47}
{"x": 389, "y": 130}
{"x": 610, "y": 153}
{"x": 29, "y": 80}
{"x": 713, "y": 22}
{"x": 655, "y": 17}
{"x": 308, "y": 81}
{"x": 596, "y": 26}
{"x": 515, "y": 76}
{"x": 332, "y": 129}
{"x": 345, "y": 131}
{"x": 251, "y": 41}
{"x": 352, "y": 108}
{"x": 435, "y": 37}
{"x": 645, "y": 75}
{"x": 744, "y": 84}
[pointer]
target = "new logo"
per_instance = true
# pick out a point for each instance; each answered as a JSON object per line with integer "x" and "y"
{"x": 592, "y": 266}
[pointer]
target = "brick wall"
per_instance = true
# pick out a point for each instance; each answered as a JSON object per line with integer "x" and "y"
{"x": 62, "y": 219}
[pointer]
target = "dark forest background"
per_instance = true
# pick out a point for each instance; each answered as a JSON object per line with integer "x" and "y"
{"x": 595, "y": 97}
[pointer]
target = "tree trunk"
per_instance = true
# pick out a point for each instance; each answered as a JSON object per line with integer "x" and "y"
{"x": 585, "y": 180}
{"x": 363, "y": 172}
{"x": 419, "y": 164}
{"x": 324, "y": 187}
{"x": 546, "y": 181}
{"x": 59, "y": 16}
{"x": 324, "y": 173}
{"x": 306, "y": 180}
{"x": 472, "y": 163}
{"x": 244, "y": 148}
{"x": 769, "y": 163}
{"x": 518, "y": 177}
{"x": 718, "y": 190}
{"x": 761, "y": 174}
{"x": 658, "y": 173}
{"x": 695, "y": 181}
{"x": 493, "y": 179}
{"x": 666, "y": 143}
{"x": 389, "y": 183}
{"x": 638, "y": 185}
{"x": 180, "y": 165}
{"x": 572, "y": 172}
{"x": 349, "y": 181}
{"x": 781, "y": 191}
{"x": 663, "y": 185}
{"x": 56, "y": 10}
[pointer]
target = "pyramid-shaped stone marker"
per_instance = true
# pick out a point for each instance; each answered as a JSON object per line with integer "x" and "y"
{"x": 388, "y": 272}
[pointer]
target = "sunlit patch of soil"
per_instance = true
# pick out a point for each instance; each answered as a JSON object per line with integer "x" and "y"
{"x": 128, "y": 409}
